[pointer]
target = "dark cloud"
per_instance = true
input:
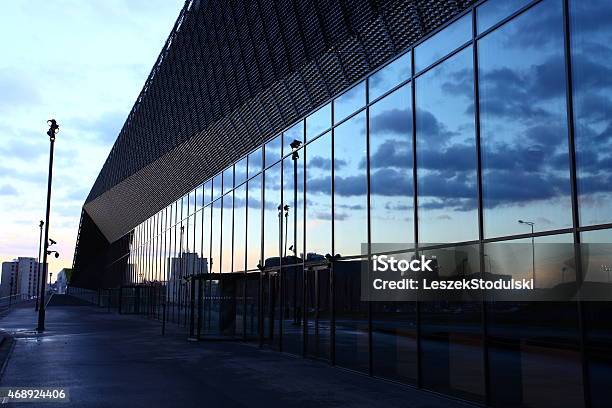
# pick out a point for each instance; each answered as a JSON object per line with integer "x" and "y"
{"x": 391, "y": 153}
{"x": 318, "y": 162}
{"x": 396, "y": 121}
{"x": 431, "y": 129}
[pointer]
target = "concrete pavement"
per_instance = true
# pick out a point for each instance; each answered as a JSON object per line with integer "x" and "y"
{"x": 110, "y": 360}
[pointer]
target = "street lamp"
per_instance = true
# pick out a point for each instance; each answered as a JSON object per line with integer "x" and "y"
{"x": 38, "y": 271}
{"x": 531, "y": 224}
{"x": 53, "y": 130}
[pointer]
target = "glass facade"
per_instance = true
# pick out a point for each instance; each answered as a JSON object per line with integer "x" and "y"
{"x": 502, "y": 116}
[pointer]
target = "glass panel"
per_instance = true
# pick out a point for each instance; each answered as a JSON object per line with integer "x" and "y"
{"x": 386, "y": 78}
{"x": 216, "y": 186}
{"x": 206, "y": 214}
{"x": 534, "y": 347}
{"x": 227, "y": 233}
{"x": 350, "y": 186}
{"x": 207, "y": 192}
{"x": 272, "y": 215}
{"x": 197, "y": 243}
{"x": 446, "y": 152}
{"x": 349, "y": 102}
{"x": 293, "y": 196}
{"x": 318, "y": 198}
{"x": 240, "y": 171}
{"x": 293, "y": 306}
{"x": 591, "y": 54}
{"x": 391, "y": 185}
{"x": 318, "y": 122}
{"x": 597, "y": 268}
{"x": 394, "y": 340}
{"x": 228, "y": 179}
{"x": 273, "y": 151}
{"x": 295, "y": 132}
{"x": 184, "y": 211}
{"x": 351, "y": 317}
{"x": 215, "y": 239}
{"x": 255, "y": 162}
{"x": 493, "y": 11}
{"x": 192, "y": 200}
{"x": 523, "y": 124}
{"x": 451, "y": 331}
{"x": 239, "y": 228}
{"x": 254, "y": 223}
{"x": 443, "y": 42}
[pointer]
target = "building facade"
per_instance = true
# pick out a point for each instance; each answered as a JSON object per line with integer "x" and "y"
{"x": 441, "y": 127}
{"x": 20, "y": 277}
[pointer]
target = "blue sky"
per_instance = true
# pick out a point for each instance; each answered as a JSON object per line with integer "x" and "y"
{"x": 83, "y": 63}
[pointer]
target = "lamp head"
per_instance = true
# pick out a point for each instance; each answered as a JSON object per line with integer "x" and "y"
{"x": 41, "y": 223}
{"x": 53, "y": 128}
{"x": 295, "y": 144}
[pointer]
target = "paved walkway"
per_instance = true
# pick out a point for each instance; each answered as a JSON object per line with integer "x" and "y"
{"x": 108, "y": 360}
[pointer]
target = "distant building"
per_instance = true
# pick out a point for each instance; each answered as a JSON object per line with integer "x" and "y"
{"x": 61, "y": 282}
{"x": 19, "y": 276}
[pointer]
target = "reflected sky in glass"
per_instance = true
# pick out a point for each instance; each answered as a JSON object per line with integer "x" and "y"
{"x": 392, "y": 191}
{"x": 228, "y": 179}
{"x": 318, "y": 122}
{"x": 446, "y": 152}
{"x": 254, "y": 222}
{"x": 226, "y": 249}
{"x": 592, "y": 80}
{"x": 442, "y": 43}
{"x": 350, "y": 184}
{"x": 215, "y": 247}
{"x": 295, "y": 132}
{"x": 255, "y": 162}
{"x": 294, "y": 198}
{"x": 318, "y": 190}
{"x": 349, "y": 102}
{"x": 272, "y": 197}
{"x": 217, "y": 186}
{"x": 525, "y": 152}
{"x": 239, "y": 227}
{"x": 493, "y": 11}
{"x": 389, "y": 76}
{"x": 240, "y": 171}
{"x": 273, "y": 150}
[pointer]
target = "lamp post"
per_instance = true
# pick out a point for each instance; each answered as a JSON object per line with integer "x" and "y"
{"x": 38, "y": 271}
{"x": 531, "y": 224}
{"x": 53, "y": 130}
{"x": 295, "y": 145}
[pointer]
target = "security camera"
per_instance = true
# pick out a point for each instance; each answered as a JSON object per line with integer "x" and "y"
{"x": 52, "y": 242}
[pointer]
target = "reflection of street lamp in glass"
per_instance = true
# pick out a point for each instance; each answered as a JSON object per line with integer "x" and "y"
{"x": 295, "y": 145}
{"x": 531, "y": 224}
{"x": 490, "y": 269}
{"x": 606, "y": 268}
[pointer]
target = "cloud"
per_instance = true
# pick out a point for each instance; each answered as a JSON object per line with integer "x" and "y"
{"x": 105, "y": 127}
{"x": 17, "y": 89}
{"x": 8, "y": 190}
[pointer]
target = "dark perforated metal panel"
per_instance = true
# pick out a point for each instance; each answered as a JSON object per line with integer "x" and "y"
{"x": 231, "y": 75}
